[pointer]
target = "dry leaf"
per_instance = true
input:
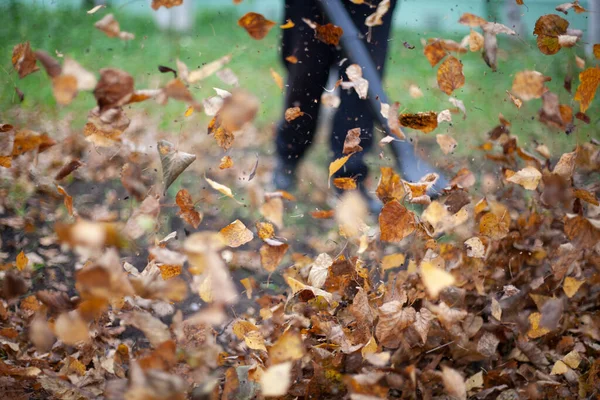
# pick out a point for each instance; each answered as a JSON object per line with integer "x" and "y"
{"x": 256, "y": 25}
{"x": 528, "y": 177}
{"x": 236, "y": 234}
{"x": 277, "y": 78}
{"x": 376, "y": 19}
{"x": 435, "y": 279}
{"x": 393, "y": 318}
{"x": 24, "y": 60}
{"x": 571, "y": 286}
{"x": 292, "y": 113}
{"x": 288, "y": 24}
{"x": 586, "y": 91}
{"x": 352, "y": 142}
{"x": 187, "y": 212}
{"x": 329, "y": 34}
{"x": 423, "y": 121}
{"x": 68, "y": 200}
{"x": 548, "y": 28}
{"x": 114, "y": 88}
{"x": 529, "y": 85}
{"x": 360, "y": 84}
{"x": 475, "y": 248}
{"x": 21, "y": 261}
{"x": 110, "y": 26}
{"x": 434, "y": 52}
{"x": 395, "y": 222}
{"x": 450, "y": 76}
{"x": 276, "y": 380}
{"x": 336, "y": 165}
{"x": 320, "y": 270}
{"x": 493, "y": 227}
{"x": 226, "y": 162}
{"x": 71, "y": 328}
{"x": 535, "y": 330}
{"x": 496, "y": 309}
{"x": 471, "y": 20}
{"x": 572, "y": 359}
{"x": 446, "y": 143}
{"x": 271, "y": 256}
{"x": 156, "y": 4}
{"x": 174, "y": 162}
{"x": 204, "y": 72}
{"x": 454, "y": 383}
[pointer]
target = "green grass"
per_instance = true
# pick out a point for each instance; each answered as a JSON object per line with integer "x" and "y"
{"x": 71, "y": 32}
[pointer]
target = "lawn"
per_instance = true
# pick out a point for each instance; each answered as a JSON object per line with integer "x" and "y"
{"x": 70, "y": 32}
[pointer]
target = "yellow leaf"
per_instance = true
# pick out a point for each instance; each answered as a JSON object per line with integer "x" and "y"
{"x": 586, "y": 91}
{"x": 288, "y": 347}
{"x": 288, "y": 24}
{"x": 435, "y": 279}
{"x": 189, "y": 111}
{"x": 392, "y": 261}
{"x": 571, "y": 286}
{"x": 277, "y": 78}
{"x": 528, "y": 177}
{"x": 536, "y": 331}
{"x": 559, "y": 368}
{"x": 369, "y": 348}
{"x": 247, "y": 283}
{"x": 22, "y": 261}
{"x": 336, "y": 165}
{"x": 572, "y": 359}
{"x": 220, "y": 188}
{"x": 496, "y": 310}
{"x": 168, "y": 271}
{"x": 236, "y": 234}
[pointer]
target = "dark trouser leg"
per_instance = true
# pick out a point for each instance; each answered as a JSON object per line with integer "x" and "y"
{"x": 305, "y": 80}
{"x": 354, "y": 112}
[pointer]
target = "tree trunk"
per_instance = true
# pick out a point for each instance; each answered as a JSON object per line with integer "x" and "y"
{"x": 593, "y": 25}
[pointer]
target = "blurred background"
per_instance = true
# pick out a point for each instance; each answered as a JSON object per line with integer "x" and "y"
{"x": 203, "y": 30}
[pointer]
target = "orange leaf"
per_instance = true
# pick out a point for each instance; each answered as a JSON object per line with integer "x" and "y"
{"x": 186, "y": 208}
{"x": 395, "y": 222}
{"x": 336, "y": 165}
{"x": 450, "y": 75}
{"x": 156, "y": 4}
{"x": 288, "y": 24}
{"x": 256, "y": 25}
{"x": 277, "y": 78}
{"x": 271, "y": 256}
{"x": 22, "y": 261}
{"x": 68, "y": 199}
{"x": 423, "y": 121}
{"x": 434, "y": 52}
{"x": 586, "y": 91}
{"x": 329, "y": 34}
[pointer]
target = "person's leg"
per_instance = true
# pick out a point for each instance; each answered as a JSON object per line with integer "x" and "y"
{"x": 354, "y": 112}
{"x": 305, "y": 82}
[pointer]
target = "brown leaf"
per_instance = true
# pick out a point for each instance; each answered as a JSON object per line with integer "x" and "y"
{"x": 24, "y": 60}
{"x": 548, "y": 28}
{"x": 174, "y": 162}
{"x": 447, "y": 143}
{"x": 271, "y": 256}
{"x": 563, "y": 8}
{"x": 56, "y": 302}
{"x": 434, "y": 52}
{"x": 52, "y": 67}
{"x": 586, "y": 91}
{"x": 186, "y": 208}
{"x": 114, "y": 88}
{"x": 68, "y": 200}
{"x": 111, "y": 28}
{"x": 156, "y": 4}
{"x": 155, "y": 330}
{"x": 256, "y": 25}
{"x": 352, "y": 141}
{"x": 390, "y": 186}
{"x": 344, "y": 183}
{"x": 71, "y": 328}
{"x": 68, "y": 168}
{"x": 226, "y": 162}
{"x": 393, "y": 318}
{"x": 329, "y": 34}
{"x": 471, "y": 20}
{"x": 26, "y": 140}
{"x": 395, "y": 222}
{"x": 236, "y": 234}
{"x": 292, "y": 113}
{"x": 529, "y": 85}
{"x": 493, "y": 227}
{"x": 450, "y": 76}
{"x": 423, "y": 121}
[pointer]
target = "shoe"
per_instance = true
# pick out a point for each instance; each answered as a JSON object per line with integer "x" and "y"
{"x": 284, "y": 176}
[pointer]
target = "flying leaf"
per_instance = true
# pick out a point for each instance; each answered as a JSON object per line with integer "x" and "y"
{"x": 454, "y": 383}
{"x": 236, "y": 234}
{"x": 292, "y": 113}
{"x": 277, "y": 78}
{"x": 586, "y": 91}
{"x": 114, "y": 88}
{"x": 110, "y": 26}
{"x": 226, "y": 162}
{"x": 450, "y": 76}
{"x": 205, "y": 71}
{"x": 563, "y": 8}
{"x": 24, "y": 60}
{"x": 329, "y": 34}
{"x": 220, "y": 188}
{"x": 435, "y": 279}
{"x": 423, "y": 121}
{"x": 471, "y": 20}
{"x": 492, "y": 226}
{"x": 547, "y": 29}
{"x": 187, "y": 212}
{"x": 288, "y": 24}
{"x": 95, "y": 9}
{"x": 447, "y": 143}
{"x": 529, "y": 85}
{"x": 528, "y": 177}
{"x": 376, "y": 19}
{"x": 344, "y": 183}
{"x": 352, "y": 142}
{"x": 271, "y": 256}
{"x": 360, "y": 84}
{"x": 336, "y": 165}
{"x": 68, "y": 200}
{"x": 434, "y": 52}
{"x": 276, "y": 380}
{"x": 156, "y": 4}
{"x": 475, "y": 247}
{"x": 395, "y": 222}
{"x": 174, "y": 162}
{"x": 256, "y": 25}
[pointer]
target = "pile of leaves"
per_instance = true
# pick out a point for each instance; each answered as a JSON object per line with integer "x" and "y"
{"x": 487, "y": 291}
